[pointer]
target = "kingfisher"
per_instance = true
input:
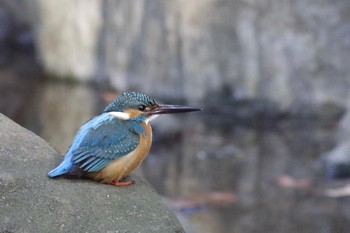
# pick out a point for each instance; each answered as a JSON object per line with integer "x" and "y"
{"x": 109, "y": 146}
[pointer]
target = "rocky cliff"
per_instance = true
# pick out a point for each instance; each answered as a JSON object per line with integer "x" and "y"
{"x": 286, "y": 51}
{"x": 32, "y": 202}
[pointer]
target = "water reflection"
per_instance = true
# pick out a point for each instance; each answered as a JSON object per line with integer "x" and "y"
{"x": 64, "y": 108}
{"x": 217, "y": 175}
{"x": 274, "y": 175}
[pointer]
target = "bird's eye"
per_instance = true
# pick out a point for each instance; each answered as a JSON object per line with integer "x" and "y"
{"x": 141, "y": 107}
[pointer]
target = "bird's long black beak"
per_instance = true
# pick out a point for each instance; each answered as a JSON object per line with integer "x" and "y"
{"x": 169, "y": 109}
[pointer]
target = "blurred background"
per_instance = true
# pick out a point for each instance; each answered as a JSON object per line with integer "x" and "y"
{"x": 271, "y": 150}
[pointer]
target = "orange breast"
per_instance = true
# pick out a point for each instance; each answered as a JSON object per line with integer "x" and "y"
{"x": 121, "y": 167}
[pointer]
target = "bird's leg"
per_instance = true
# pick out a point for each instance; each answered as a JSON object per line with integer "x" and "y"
{"x": 123, "y": 181}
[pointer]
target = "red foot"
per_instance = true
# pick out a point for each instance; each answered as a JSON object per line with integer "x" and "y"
{"x": 122, "y": 183}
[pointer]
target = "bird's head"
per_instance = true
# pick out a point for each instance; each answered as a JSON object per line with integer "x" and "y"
{"x": 132, "y": 105}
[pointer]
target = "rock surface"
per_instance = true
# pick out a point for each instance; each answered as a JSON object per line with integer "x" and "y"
{"x": 32, "y": 202}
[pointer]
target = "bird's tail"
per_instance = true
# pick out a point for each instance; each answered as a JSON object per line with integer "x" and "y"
{"x": 61, "y": 169}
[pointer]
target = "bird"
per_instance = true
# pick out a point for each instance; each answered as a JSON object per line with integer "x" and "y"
{"x": 109, "y": 146}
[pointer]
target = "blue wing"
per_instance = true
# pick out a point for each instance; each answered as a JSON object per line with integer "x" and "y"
{"x": 100, "y": 141}
{"x": 107, "y": 142}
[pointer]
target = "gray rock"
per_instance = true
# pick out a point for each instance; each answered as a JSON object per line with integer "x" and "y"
{"x": 32, "y": 202}
{"x": 289, "y": 52}
{"x": 336, "y": 162}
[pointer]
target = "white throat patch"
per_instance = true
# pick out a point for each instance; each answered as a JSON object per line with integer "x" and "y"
{"x": 120, "y": 115}
{"x": 151, "y": 118}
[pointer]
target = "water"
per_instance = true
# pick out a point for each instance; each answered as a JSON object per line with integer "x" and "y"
{"x": 273, "y": 175}
{"x": 216, "y": 174}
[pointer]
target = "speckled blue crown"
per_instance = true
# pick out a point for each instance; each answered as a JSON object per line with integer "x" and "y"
{"x": 129, "y": 100}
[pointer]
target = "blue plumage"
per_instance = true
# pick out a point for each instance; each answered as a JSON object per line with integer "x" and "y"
{"x": 130, "y": 100}
{"x": 107, "y": 142}
{"x": 98, "y": 142}
{"x": 67, "y": 163}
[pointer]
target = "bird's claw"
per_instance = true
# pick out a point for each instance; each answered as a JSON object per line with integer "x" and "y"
{"x": 123, "y": 182}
